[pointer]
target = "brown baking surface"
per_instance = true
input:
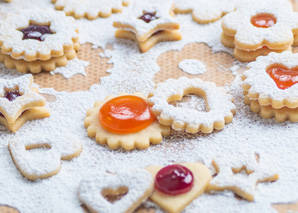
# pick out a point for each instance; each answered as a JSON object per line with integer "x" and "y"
{"x": 217, "y": 65}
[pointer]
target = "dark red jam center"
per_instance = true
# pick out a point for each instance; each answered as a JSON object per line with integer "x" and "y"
{"x": 37, "y": 32}
{"x": 11, "y": 95}
{"x": 174, "y": 180}
{"x": 148, "y": 17}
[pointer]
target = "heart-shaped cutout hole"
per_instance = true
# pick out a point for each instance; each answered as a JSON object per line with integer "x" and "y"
{"x": 113, "y": 195}
{"x": 283, "y": 77}
{"x": 191, "y": 101}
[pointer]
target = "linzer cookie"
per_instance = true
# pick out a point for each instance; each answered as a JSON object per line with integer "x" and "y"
{"x": 260, "y": 27}
{"x": 229, "y": 174}
{"x": 148, "y": 22}
{"x": 124, "y": 121}
{"x": 178, "y": 185}
{"x": 32, "y": 41}
{"x": 90, "y": 9}
{"x": 132, "y": 187}
{"x": 43, "y": 164}
{"x": 270, "y": 86}
{"x": 204, "y": 11}
{"x": 20, "y": 102}
{"x": 219, "y": 105}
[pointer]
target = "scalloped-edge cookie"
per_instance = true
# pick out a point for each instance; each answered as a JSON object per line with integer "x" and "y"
{"x": 148, "y": 17}
{"x": 176, "y": 203}
{"x": 46, "y": 163}
{"x": 219, "y": 104}
{"x": 205, "y": 11}
{"x": 260, "y": 86}
{"x": 152, "y": 134}
{"x": 59, "y": 33}
{"x": 229, "y": 177}
{"x": 134, "y": 186}
{"x": 90, "y": 9}
{"x": 255, "y": 24}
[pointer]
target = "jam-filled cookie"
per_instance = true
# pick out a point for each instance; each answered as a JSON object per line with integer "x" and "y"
{"x": 148, "y": 22}
{"x": 270, "y": 86}
{"x": 178, "y": 185}
{"x": 20, "y": 102}
{"x": 219, "y": 104}
{"x": 124, "y": 121}
{"x": 32, "y": 41}
{"x": 90, "y": 9}
{"x": 260, "y": 27}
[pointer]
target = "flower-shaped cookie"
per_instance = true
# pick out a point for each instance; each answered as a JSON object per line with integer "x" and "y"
{"x": 255, "y": 24}
{"x": 58, "y": 34}
{"x": 17, "y": 95}
{"x": 120, "y": 122}
{"x": 229, "y": 177}
{"x": 145, "y": 18}
{"x": 272, "y": 80}
{"x": 205, "y": 11}
{"x": 219, "y": 104}
{"x": 45, "y": 163}
{"x": 90, "y": 8}
{"x": 134, "y": 186}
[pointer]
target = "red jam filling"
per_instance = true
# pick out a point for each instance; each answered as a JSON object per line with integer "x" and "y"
{"x": 148, "y": 17}
{"x": 125, "y": 114}
{"x": 283, "y": 77}
{"x": 37, "y": 32}
{"x": 174, "y": 180}
{"x": 263, "y": 20}
{"x": 11, "y": 95}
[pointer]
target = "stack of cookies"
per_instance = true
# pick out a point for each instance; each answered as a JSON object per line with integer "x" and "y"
{"x": 256, "y": 29}
{"x": 38, "y": 40}
{"x": 148, "y": 23}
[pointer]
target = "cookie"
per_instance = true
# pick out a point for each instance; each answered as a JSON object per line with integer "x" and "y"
{"x": 204, "y": 11}
{"x": 255, "y": 25}
{"x": 271, "y": 80}
{"x": 44, "y": 164}
{"x": 125, "y": 122}
{"x": 90, "y": 9}
{"x": 133, "y": 187}
{"x": 147, "y": 20}
{"x": 178, "y": 185}
{"x": 219, "y": 104}
{"x": 229, "y": 174}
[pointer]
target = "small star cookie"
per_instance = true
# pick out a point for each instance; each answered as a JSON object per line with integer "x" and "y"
{"x": 90, "y": 9}
{"x": 229, "y": 177}
{"x": 124, "y": 121}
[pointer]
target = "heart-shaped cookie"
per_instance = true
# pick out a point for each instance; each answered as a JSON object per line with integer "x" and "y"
{"x": 43, "y": 164}
{"x": 134, "y": 186}
{"x": 176, "y": 203}
{"x": 284, "y": 77}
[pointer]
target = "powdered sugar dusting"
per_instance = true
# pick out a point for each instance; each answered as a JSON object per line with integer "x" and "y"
{"x": 73, "y": 67}
{"x": 192, "y": 66}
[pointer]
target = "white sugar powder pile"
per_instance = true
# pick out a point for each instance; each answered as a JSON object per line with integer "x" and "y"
{"x": 192, "y": 66}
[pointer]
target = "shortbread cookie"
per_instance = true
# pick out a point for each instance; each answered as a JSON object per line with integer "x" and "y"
{"x": 229, "y": 177}
{"x": 124, "y": 121}
{"x": 134, "y": 186}
{"x": 219, "y": 104}
{"x": 90, "y": 9}
{"x": 38, "y": 35}
{"x": 17, "y": 95}
{"x": 178, "y": 185}
{"x": 45, "y": 164}
{"x": 157, "y": 37}
{"x": 271, "y": 80}
{"x": 38, "y": 65}
{"x": 28, "y": 115}
{"x": 205, "y": 11}
{"x": 148, "y": 17}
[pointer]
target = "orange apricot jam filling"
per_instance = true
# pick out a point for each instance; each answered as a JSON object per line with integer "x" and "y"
{"x": 263, "y": 20}
{"x": 283, "y": 77}
{"x": 126, "y": 114}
